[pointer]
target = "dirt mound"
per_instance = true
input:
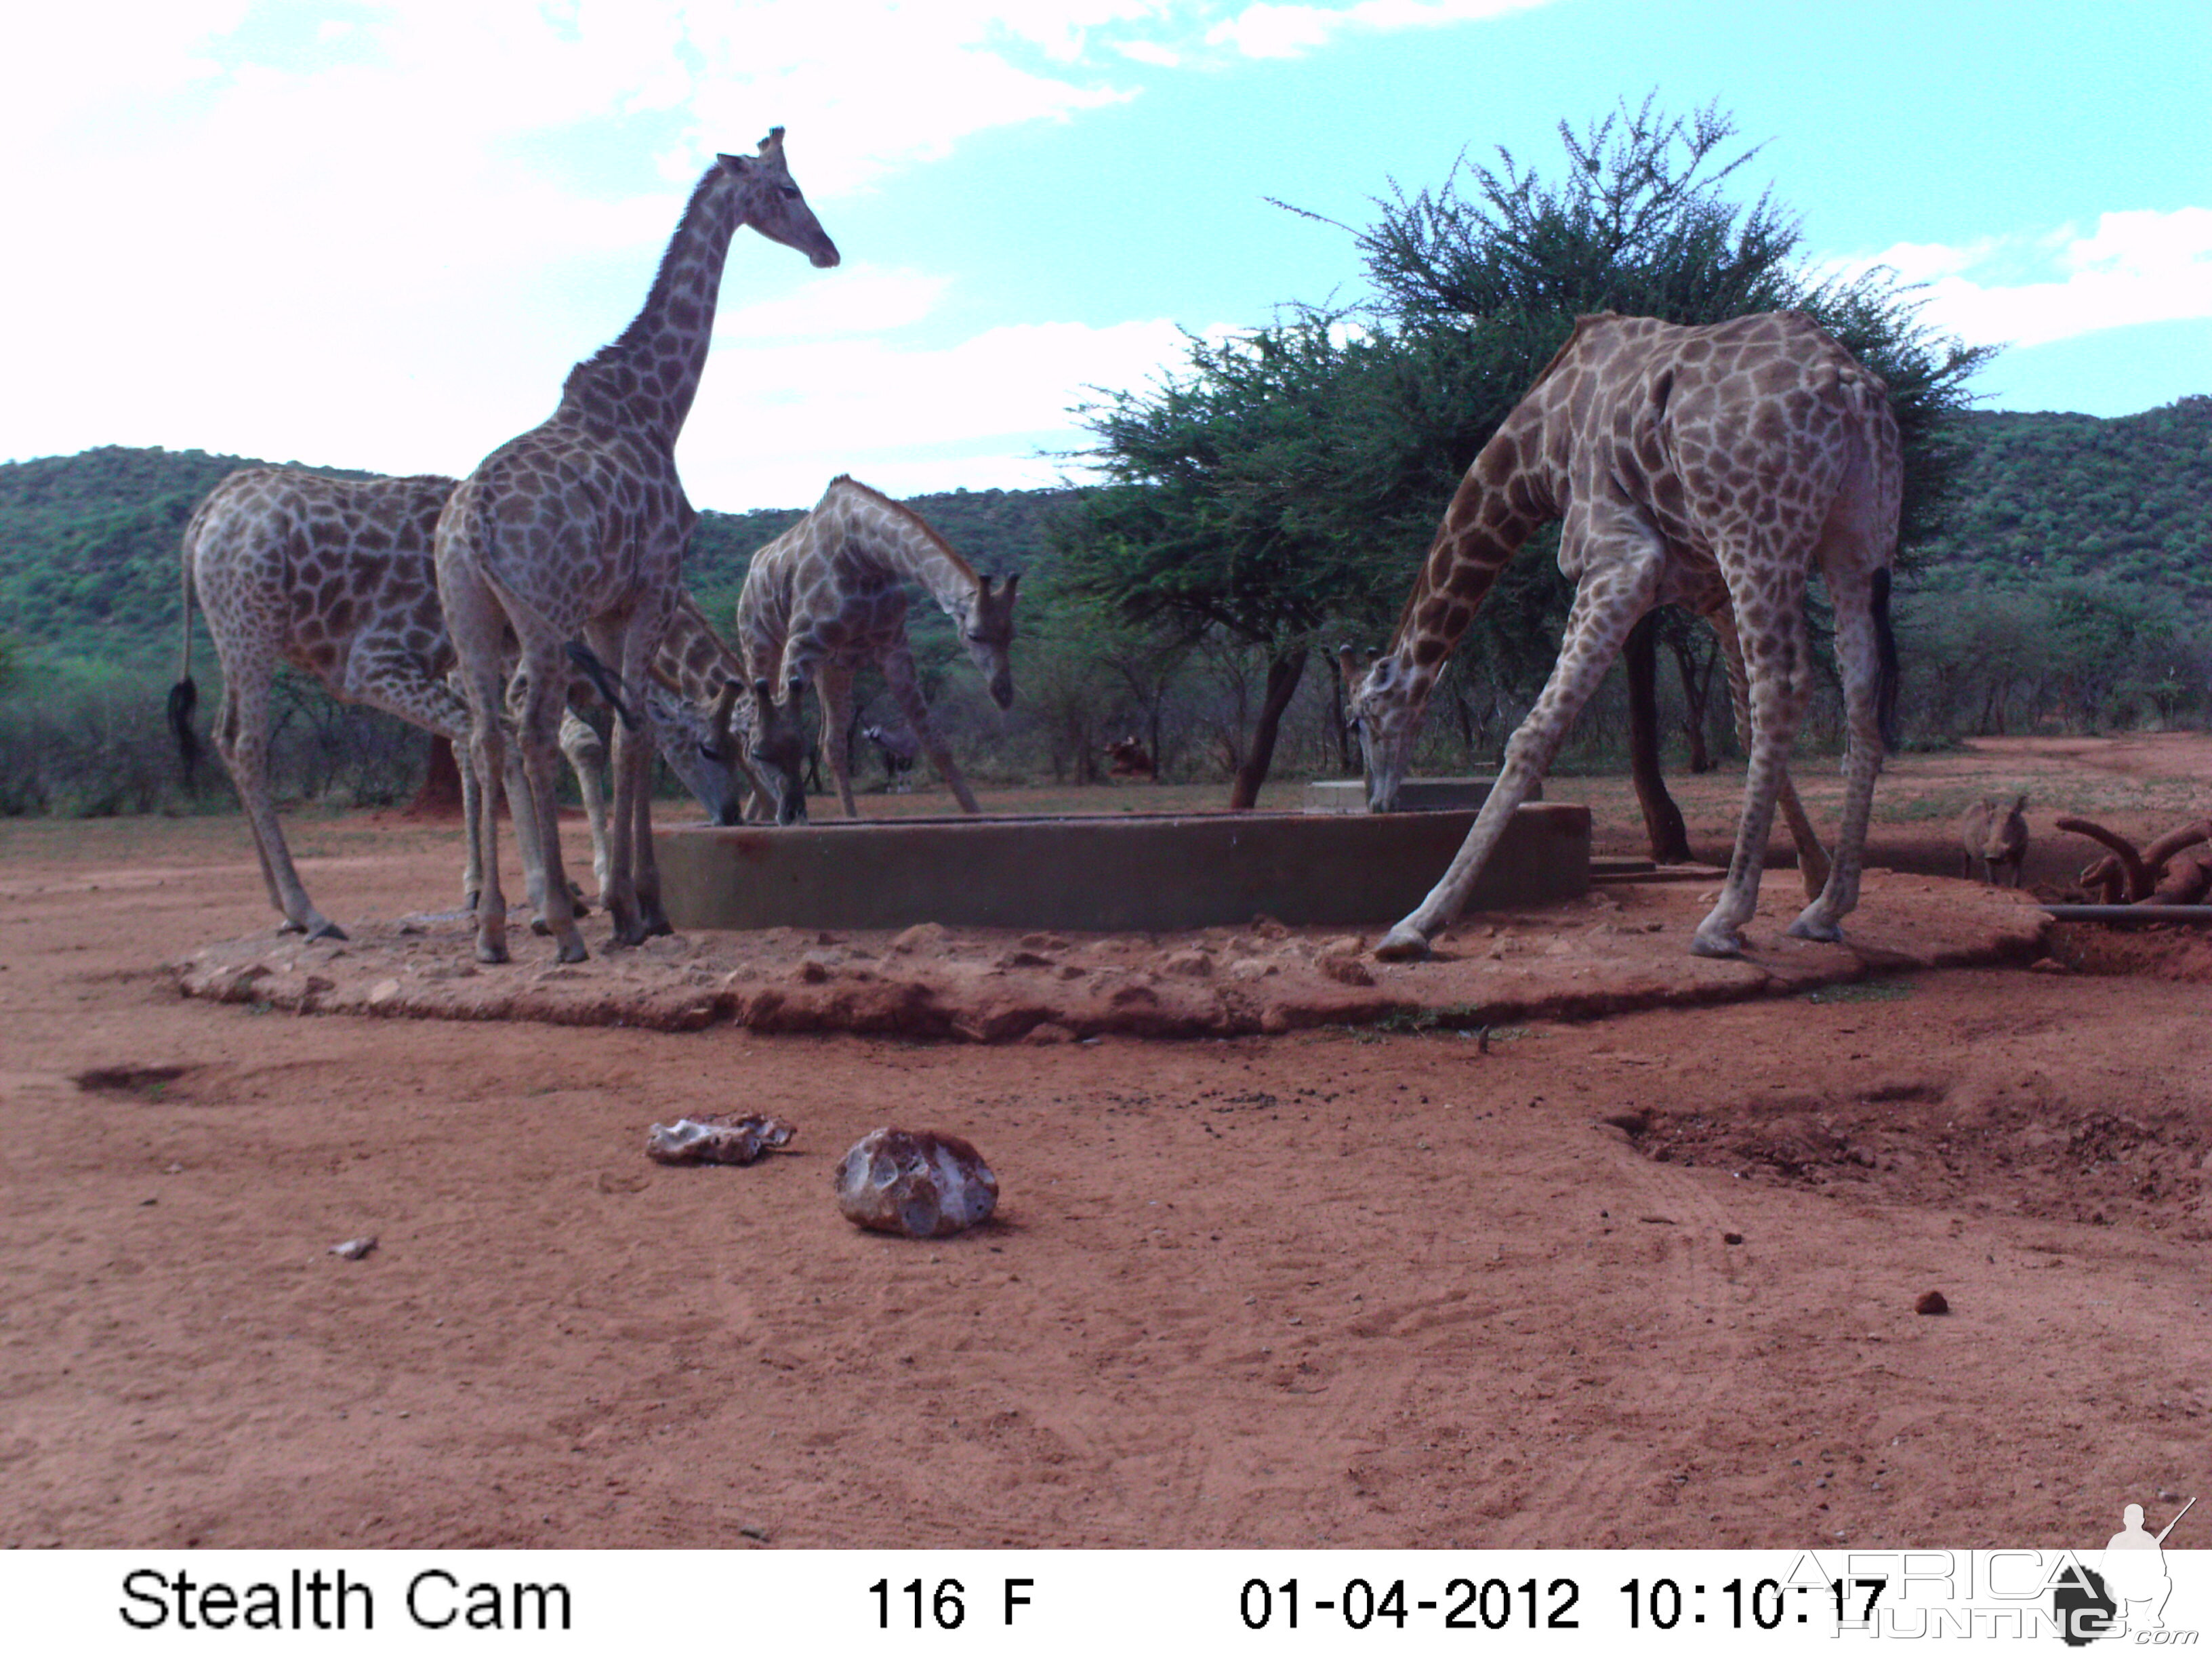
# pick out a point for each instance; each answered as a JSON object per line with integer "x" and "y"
{"x": 1618, "y": 949}
{"x": 2181, "y": 954}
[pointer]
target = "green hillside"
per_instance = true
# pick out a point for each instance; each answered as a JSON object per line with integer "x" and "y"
{"x": 89, "y": 545}
{"x": 2044, "y": 496}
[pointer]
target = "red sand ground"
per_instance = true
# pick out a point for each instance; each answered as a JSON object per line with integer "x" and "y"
{"x": 1339, "y": 1286}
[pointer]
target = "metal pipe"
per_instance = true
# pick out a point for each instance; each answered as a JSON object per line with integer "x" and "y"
{"x": 2131, "y": 915}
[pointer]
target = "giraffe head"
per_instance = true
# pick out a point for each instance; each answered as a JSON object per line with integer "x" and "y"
{"x": 988, "y": 634}
{"x": 771, "y": 203}
{"x": 700, "y": 749}
{"x": 1385, "y": 697}
{"x": 778, "y": 748}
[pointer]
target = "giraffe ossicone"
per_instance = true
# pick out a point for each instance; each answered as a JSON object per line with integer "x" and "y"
{"x": 1741, "y": 453}
{"x": 578, "y": 528}
{"x": 828, "y": 598}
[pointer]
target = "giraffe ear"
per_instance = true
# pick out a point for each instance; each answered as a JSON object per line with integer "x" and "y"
{"x": 739, "y": 164}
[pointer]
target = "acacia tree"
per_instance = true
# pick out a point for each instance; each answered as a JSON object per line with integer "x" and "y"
{"x": 1289, "y": 479}
{"x": 1219, "y": 516}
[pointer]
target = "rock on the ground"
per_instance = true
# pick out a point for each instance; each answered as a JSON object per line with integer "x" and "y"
{"x": 922, "y": 1184}
{"x": 712, "y": 1138}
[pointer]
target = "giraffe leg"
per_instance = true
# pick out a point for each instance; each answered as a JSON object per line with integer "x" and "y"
{"x": 1812, "y": 857}
{"x": 835, "y": 689}
{"x": 633, "y": 900}
{"x": 545, "y": 698}
{"x": 472, "y": 811}
{"x": 1607, "y": 603}
{"x": 242, "y": 740}
{"x": 1775, "y": 664}
{"x": 586, "y": 755}
{"x": 386, "y": 674}
{"x": 478, "y": 626}
{"x": 1857, "y": 654}
{"x": 906, "y": 690}
{"x": 225, "y": 733}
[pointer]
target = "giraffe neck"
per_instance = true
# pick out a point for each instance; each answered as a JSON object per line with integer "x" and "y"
{"x": 646, "y": 380}
{"x": 908, "y": 550}
{"x": 1496, "y": 509}
{"x": 696, "y": 660}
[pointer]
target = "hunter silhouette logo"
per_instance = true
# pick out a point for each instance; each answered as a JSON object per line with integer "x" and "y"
{"x": 2128, "y": 1596}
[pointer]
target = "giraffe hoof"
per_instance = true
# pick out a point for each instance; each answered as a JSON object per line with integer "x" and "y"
{"x": 492, "y": 950}
{"x": 289, "y": 926}
{"x": 1721, "y": 943}
{"x": 1815, "y": 926}
{"x": 328, "y": 930}
{"x": 572, "y": 949}
{"x": 1402, "y": 944}
{"x": 542, "y": 928}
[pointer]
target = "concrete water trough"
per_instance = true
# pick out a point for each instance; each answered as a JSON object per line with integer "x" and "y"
{"x": 1129, "y": 872}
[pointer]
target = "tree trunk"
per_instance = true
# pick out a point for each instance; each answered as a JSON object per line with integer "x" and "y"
{"x": 1343, "y": 728}
{"x": 1697, "y": 695}
{"x": 1283, "y": 673}
{"x": 439, "y": 797}
{"x": 1663, "y": 819}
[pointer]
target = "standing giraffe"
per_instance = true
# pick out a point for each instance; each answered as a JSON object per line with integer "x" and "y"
{"x": 334, "y": 576}
{"x": 1750, "y": 448}
{"x": 827, "y": 597}
{"x": 578, "y": 526}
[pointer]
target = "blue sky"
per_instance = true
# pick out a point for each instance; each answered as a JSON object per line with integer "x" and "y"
{"x": 378, "y": 235}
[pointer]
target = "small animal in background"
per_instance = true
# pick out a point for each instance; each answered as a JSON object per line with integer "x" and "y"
{"x": 1127, "y": 758}
{"x": 1996, "y": 833}
{"x": 898, "y": 747}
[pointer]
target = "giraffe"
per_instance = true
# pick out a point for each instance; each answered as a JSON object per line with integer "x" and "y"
{"x": 334, "y": 577}
{"x": 1749, "y": 449}
{"x": 578, "y": 526}
{"x": 827, "y": 598}
{"x": 759, "y": 739}
{"x": 1703, "y": 595}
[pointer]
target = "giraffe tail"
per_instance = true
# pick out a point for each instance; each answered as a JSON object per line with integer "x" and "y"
{"x": 604, "y": 680}
{"x": 1886, "y": 679}
{"x": 184, "y": 696}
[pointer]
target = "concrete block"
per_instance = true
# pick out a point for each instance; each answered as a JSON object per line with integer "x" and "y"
{"x": 1125, "y": 874}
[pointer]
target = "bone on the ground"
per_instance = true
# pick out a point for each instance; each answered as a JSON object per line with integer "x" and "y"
{"x": 2158, "y": 852}
{"x": 715, "y": 1139}
{"x": 2139, "y": 878}
{"x": 920, "y": 1183}
{"x": 2148, "y": 876}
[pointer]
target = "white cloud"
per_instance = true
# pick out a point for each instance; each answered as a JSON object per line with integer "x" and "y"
{"x": 775, "y": 423}
{"x": 2136, "y": 266}
{"x": 377, "y": 233}
{"x": 1266, "y": 30}
{"x": 860, "y": 299}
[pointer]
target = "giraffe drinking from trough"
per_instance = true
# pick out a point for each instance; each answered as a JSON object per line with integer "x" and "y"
{"x": 827, "y": 597}
{"x": 1752, "y": 448}
{"x": 334, "y": 577}
{"x": 579, "y": 527}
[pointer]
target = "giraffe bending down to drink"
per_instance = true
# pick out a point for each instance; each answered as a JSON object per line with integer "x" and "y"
{"x": 334, "y": 577}
{"x": 578, "y": 527}
{"x": 827, "y": 597}
{"x": 1746, "y": 451}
